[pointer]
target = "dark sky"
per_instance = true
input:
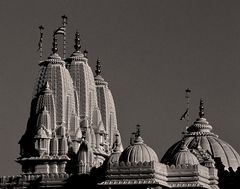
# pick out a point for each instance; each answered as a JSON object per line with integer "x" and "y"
{"x": 151, "y": 52}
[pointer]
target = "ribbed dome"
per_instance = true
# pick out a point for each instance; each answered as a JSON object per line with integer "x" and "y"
{"x": 200, "y": 135}
{"x": 138, "y": 152}
{"x": 184, "y": 157}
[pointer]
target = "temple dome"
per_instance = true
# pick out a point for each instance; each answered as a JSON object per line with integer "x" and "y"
{"x": 199, "y": 135}
{"x": 184, "y": 157}
{"x": 138, "y": 152}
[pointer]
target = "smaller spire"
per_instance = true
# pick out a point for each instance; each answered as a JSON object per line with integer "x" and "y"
{"x": 116, "y": 145}
{"x": 77, "y": 45}
{"x": 85, "y": 53}
{"x": 201, "y": 109}
{"x": 54, "y": 48}
{"x": 98, "y": 67}
{"x": 47, "y": 86}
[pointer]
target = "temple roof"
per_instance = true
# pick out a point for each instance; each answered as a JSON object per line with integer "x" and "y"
{"x": 199, "y": 135}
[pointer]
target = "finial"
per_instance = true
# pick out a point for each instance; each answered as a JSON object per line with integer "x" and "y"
{"x": 98, "y": 67}
{"x": 138, "y": 133}
{"x": 201, "y": 109}
{"x": 54, "y": 48}
{"x": 188, "y": 91}
{"x": 77, "y": 45}
{"x": 85, "y": 53}
{"x": 64, "y": 18}
{"x": 40, "y": 43}
{"x": 41, "y": 28}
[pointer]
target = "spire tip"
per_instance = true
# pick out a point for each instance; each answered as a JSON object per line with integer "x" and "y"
{"x": 98, "y": 67}
{"x": 77, "y": 45}
{"x": 201, "y": 109}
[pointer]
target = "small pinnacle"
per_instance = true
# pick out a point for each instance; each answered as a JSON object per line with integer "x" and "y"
{"x": 44, "y": 108}
{"x": 77, "y": 45}
{"x": 54, "y": 48}
{"x": 47, "y": 86}
{"x": 201, "y": 109}
{"x": 98, "y": 67}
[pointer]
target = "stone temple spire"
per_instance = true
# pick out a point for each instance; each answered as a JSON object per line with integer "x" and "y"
{"x": 54, "y": 48}
{"x": 201, "y": 109}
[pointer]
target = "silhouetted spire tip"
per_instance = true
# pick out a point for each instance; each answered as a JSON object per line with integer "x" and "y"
{"x": 41, "y": 27}
{"x": 54, "y": 48}
{"x": 98, "y": 67}
{"x": 201, "y": 109}
{"x": 138, "y": 133}
{"x": 85, "y": 53}
{"x": 77, "y": 45}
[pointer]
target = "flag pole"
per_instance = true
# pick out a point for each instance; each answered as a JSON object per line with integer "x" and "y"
{"x": 187, "y": 96}
{"x": 64, "y": 23}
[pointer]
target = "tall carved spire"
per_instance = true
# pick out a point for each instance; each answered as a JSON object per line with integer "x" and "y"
{"x": 77, "y": 45}
{"x": 98, "y": 67}
{"x": 201, "y": 109}
{"x": 54, "y": 48}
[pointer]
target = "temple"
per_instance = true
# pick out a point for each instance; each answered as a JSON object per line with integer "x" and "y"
{"x": 72, "y": 138}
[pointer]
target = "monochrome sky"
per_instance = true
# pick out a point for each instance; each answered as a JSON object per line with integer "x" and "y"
{"x": 151, "y": 51}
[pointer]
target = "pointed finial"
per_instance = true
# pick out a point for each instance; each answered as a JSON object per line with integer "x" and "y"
{"x": 85, "y": 53}
{"x": 98, "y": 67}
{"x": 138, "y": 133}
{"x": 54, "y": 48}
{"x": 188, "y": 91}
{"x": 77, "y": 45}
{"x": 41, "y": 28}
{"x": 201, "y": 109}
{"x": 40, "y": 43}
{"x": 64, "y": 18}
